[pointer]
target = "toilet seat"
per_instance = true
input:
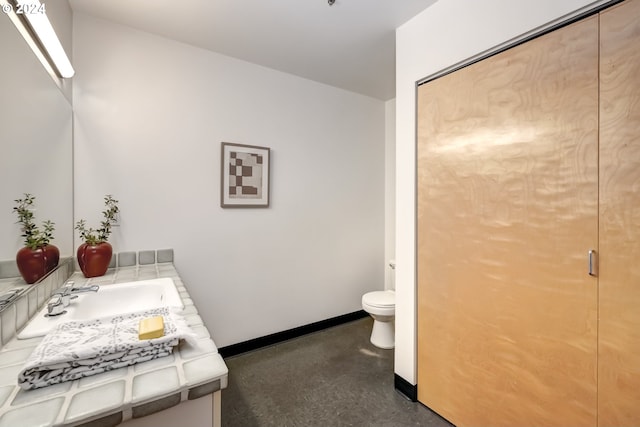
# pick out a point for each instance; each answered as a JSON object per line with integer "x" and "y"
{"x": 380, "y": 299}
{"x": 381, "y": 303}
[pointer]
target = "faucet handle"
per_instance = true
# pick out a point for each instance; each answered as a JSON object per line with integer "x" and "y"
{"x": 64, "y": 294}
{"x": 92, "y": 288}
{"x": 56, "y": 306}
{"x": 64, "y": 290}
{"x": 89, "y": 288}
{"x": 69, "y": 289}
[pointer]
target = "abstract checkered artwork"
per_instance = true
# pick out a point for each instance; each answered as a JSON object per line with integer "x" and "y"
{"x": 245, "y": 176}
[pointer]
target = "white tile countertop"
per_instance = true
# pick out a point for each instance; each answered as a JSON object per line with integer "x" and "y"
{"x": 107, "y": 399}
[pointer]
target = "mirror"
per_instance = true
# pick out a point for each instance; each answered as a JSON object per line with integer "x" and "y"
{"x": 37, "y": 157}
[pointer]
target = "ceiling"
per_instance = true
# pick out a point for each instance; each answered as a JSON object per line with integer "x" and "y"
{"x": 350, "y": 45}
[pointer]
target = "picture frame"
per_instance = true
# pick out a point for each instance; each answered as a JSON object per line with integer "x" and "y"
{"x": 244, "y": 180}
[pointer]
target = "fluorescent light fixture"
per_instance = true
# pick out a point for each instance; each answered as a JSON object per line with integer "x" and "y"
{"x": 34, "y": 14}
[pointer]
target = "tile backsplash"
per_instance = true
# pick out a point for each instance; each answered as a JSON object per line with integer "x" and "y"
{"x": 9, "y": 268}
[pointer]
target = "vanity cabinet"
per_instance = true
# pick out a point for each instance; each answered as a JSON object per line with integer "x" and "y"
{"x": 528, "y": 169}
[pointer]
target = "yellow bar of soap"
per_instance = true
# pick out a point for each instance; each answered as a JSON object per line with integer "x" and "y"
{"x": 151, "y": 327}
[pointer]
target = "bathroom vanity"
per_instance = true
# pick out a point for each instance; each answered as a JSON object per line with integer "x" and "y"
{"x": 183, "y": 388}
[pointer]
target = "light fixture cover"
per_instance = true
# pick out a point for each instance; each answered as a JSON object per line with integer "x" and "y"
{"x": 34, "y": 13}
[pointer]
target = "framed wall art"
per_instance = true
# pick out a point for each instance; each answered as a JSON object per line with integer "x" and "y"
{"x": 245, "y": 176}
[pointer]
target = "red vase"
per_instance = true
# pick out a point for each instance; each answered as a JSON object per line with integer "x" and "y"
{"x": 94, "y": 259}
{"x": 34, "y": 264}
{"x": 52, "y": 257}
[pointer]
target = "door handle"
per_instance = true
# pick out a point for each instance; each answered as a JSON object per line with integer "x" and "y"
{"x": 593, "y": 263}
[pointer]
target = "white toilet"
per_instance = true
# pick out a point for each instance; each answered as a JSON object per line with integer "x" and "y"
{"x": 381, "y": 305}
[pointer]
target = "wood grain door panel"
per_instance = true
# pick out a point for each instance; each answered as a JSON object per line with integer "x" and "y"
{"x": 507, "y": 212}
{"x": 619, "y": 327}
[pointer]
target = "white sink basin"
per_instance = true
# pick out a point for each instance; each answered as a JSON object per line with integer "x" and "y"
{"x": 110, "y": 300}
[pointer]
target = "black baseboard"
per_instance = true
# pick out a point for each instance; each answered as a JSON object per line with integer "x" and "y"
{"x": 409, "y": 390}
{"x": 256, "y": 343}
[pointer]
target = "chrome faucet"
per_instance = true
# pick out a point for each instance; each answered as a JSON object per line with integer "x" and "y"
{"x": 62, "y": 297}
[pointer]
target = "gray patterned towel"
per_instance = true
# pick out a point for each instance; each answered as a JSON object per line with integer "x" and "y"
{"x": 74, "y": 350}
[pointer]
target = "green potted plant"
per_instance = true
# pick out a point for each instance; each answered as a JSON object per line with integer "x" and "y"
{"x": 94, "y": 255}
{"x": 38, "y": 256}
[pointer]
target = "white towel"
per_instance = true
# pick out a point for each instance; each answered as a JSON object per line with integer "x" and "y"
{"x": 74, "y": 350}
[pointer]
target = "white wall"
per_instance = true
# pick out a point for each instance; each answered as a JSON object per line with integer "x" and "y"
{"x": 390, "y": 191}
{"x": 150, "y": 114}
{"x": 446, "y": 33}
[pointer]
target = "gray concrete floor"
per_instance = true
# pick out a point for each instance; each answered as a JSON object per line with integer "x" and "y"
{"x": 335, "y": 377}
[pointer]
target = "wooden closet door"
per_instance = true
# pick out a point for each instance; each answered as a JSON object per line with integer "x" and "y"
{"x": 619, "y": 329}
{"x": 507, "y": 212}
